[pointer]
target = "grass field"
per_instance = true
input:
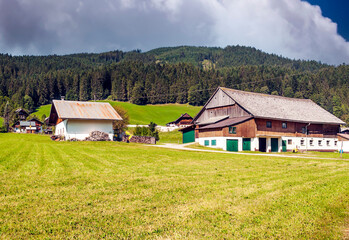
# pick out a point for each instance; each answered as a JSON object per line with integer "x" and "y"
{"x": 60, "y": 190}
{"x": 160, "y": 114}
{"x": 44, "y": 109}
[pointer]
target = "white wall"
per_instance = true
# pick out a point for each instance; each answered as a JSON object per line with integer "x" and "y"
{"x": 345, "y": 146}
{"x": 80, "y": 129}
{"x": 296, "y": 143}
{"x": 221, "y": 142}
{"x": 60, "y": 128}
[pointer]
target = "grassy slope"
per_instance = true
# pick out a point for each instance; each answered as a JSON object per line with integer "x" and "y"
{"x": 160, "y": 114}
{"x": 117, "y": 190}
{"x": 44, "y": 109}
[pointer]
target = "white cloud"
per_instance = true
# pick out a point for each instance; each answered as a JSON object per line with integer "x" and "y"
{"x": 291, "y": 28}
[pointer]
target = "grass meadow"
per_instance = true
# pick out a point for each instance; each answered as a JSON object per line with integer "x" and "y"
{"x": 143, "y": 114}
{"x": 89, "y": 190}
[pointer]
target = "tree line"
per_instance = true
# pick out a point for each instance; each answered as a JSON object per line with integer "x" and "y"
{"x": 29, "y": 81}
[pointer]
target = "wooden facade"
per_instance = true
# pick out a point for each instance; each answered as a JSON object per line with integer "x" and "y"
{"x": 258, "y": 128}
{"x": 282, "y": 129}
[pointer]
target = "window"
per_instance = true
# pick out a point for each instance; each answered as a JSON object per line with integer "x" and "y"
{"x": 311, "y": 142}
{"x": 302, "y": 142}
{"x": 268, "y": 124}
{"x": 232, "y": 130}
{"x": 289, "y": 142}
{"x": 335, "y": 143}
{"x": 303, "y": 130}
{"x": 320, "y": 142}
{"x": 207, "y": 142}
{"x": 284, "y": 125}
{"x": 213, "y": 143}
{"x": 328, "y": 142}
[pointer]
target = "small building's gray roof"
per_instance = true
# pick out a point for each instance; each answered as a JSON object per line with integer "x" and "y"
{"x": 27, "y": 123}
{"x": 85, "y": 110}
{"x": 282, "y": 108}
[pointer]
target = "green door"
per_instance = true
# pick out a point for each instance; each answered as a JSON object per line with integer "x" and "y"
{"x": 246, "y": 144}
{"x": 284, "y": 148}
{"x": 232, "y": 145}
{"x": 189, "y": 136}
{"x": 274, "y": 145}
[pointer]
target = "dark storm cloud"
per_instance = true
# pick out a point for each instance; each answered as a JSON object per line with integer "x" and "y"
{"x": 292, "y": 28}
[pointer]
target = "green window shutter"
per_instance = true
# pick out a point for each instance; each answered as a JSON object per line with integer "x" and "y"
{"x": 207, "y": 142}
{"x": 232, "y": 130}
{"x": 213, "y": 143}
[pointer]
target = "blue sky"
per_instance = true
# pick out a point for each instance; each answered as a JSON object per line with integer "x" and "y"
{"x": 313, "y": 30}
{"x": 338, "y": 11}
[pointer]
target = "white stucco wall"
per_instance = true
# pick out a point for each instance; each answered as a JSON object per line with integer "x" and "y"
{"x": 345, "y": 146}
{"x": 80, "y": 129}
{"x": 60, "y": 128}
{"x": 221, "y": 142}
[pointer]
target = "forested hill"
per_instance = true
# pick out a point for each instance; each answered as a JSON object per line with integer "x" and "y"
{"x": 229, "y": 56}
{"x": 168, "y": 75}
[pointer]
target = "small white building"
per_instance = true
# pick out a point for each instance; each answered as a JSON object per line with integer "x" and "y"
{"x": 74, "y": 119}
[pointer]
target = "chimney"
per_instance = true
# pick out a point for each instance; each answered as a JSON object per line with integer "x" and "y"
{"x": 62, "y": 98}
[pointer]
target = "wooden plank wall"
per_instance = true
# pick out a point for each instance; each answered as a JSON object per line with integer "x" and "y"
{"x": 246, "y": 129}
{"x": 295, "y": 129}
{"x": 220, "y": 99}
{"x": 231, "y": 111}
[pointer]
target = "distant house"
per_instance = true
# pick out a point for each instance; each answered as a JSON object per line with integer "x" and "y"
{"x": 183, "y": 121}
{"x": 236, "y": 120}
{"x": 74, "y": 119}
{"x": 22, "y": 114}
{"x": 31, "y": 126}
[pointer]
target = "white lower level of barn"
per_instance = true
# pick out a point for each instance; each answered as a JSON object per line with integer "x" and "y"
{"x": 80, "y": 129}
{"x": 274, "y": 144}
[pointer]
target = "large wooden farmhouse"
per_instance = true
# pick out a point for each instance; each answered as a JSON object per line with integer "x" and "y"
{"x": 73, "y": 119}
{"x": 244, "y": 121}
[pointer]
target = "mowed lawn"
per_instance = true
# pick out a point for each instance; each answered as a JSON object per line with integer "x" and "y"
{"x": 89, "y": 190}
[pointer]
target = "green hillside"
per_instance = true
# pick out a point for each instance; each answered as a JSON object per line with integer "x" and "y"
{"x": 42, "y": 110}
{"x": 160, "y": 114}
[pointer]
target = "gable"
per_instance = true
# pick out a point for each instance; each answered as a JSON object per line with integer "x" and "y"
{"x": 220, "y": 105}
{"x": 220, "y": 99}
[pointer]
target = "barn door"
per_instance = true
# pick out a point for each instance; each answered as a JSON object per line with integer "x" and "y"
{"x": 246, "y": 144}
{"x": 284, "y": 148}
{"x": 189, "y": 136}
{"x": 232, "y": 145}
{"x": 274, "y": 145}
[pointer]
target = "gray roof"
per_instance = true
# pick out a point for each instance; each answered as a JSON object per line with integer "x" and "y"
{"x": 227, "y": 122}
{"x": 282, "y": 108}
{"x": 85, "y": 110}
{"x": 213, "y": 120}
{"x": 26, "y": 123}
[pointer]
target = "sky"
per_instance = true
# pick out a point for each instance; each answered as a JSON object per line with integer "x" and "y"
{"x": 310, "y": 30}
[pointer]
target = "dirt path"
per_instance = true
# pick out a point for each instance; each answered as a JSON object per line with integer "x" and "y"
{"x": 186, "y": 148}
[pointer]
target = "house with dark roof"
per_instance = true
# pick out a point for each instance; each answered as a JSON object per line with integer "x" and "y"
{"x": 236, "y": 120}
{"x": 31, "y": 126}
{"x": 183, "y": 121}
{"x": 76, "y": 120}
{"x": 22, "y": 114}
